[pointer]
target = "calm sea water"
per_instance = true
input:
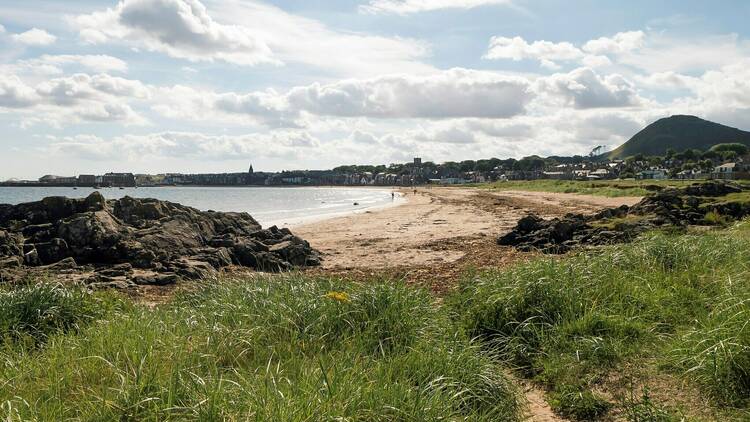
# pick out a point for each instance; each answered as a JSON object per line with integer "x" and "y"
{"x": 268, "y": 205}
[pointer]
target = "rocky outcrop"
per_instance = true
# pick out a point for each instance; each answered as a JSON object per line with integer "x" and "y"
{"x": 142, "y": 241}
{"x": 560, "y": 235}
{"x": 668, "y": 207}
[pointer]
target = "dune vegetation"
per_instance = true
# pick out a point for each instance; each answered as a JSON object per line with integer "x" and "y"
{"x": 271, "y": 349}
{"x": 654, "y": 330}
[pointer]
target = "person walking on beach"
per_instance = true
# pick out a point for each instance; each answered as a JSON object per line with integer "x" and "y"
{"x": 393, "y": 196}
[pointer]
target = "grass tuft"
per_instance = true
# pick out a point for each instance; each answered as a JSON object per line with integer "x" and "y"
{"x": 32, "y": 313}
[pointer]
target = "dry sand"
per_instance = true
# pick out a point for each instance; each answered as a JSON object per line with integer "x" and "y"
{"x": 412, "y": 234}
{"x": 437, "y": 233}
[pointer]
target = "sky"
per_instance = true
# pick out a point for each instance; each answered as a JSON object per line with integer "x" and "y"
{"x": 155, "y": 86}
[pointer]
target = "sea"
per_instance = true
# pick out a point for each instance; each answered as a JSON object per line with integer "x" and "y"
{"x": 283, "y": 207}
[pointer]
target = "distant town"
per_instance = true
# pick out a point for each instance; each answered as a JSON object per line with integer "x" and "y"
{"x": 724, "y": 161}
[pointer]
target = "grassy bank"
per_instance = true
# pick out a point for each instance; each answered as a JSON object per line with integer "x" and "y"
{"x": 287, "y": 349}
{"x": 671, "y": 306}
{"x": 655, "y": 330}
{"x": 608, "y": 188}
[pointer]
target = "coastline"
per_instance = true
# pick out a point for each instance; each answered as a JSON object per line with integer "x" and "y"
{"x": 293, "y": 223}
{"x": 287, "y": 207}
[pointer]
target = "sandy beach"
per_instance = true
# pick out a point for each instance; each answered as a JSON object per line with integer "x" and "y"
{"x": 437, "y": 233}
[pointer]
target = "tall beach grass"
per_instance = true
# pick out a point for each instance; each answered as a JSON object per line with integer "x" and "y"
{"x": 281, "y": 349}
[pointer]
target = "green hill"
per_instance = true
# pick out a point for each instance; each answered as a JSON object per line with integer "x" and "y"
{"x": 679, "y": 133}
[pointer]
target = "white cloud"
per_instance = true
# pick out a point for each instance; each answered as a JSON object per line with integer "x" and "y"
{"x": 14, "y": 93}
{"x": 667, "y": 80}
{"x": 451, "y": 135}
{"x": 448, "y": 94}
{"x": 403, "y": 7}
{"x": 178, "y": 28}
{"x": 596, "y": 61}
{"x": 35, "y": 36}
{"x": 664, "y": 53}
{"x": 594, "y": 53}
{"x": 727, "y": 88}
{"x": 444, "y": 95}
{"x": 80, "y": 97}
{"x": 269, "y": 106}
{"x": 583, "y": 88}
{"x": 546, "y": 52}
{"x": 195, "y": 145}
{"x": 54, "y": 64}
{"x": 617, "y": 44}
{"x": 80, "y": 87}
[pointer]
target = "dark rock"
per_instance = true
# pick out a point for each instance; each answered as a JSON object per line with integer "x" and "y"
{"x": 53, "y": 251}
{"x": 667, "y": 207}
{"x": 92, "y": 236}
{"x": 156, "y": 279}
{"x": 529, "y": 224}
{"x": 136, "y": 254}
{"x": 711, "y": 188}
{"x": 162, "y": 237}
{"x": 10, "y": 244}
{"x": 119, "y": 283}
{"x": 222, "y": 241}
{"x": 120, "y": 270}
{"x": 65, "y": 264}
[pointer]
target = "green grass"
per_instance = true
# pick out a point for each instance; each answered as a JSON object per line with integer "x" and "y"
{"x": 568, "y": 323}
{"x": 29, "y": 314}
{"x": 296, "y": 348}
{"x": 286, "y": 349}
{"x": 608, "y": 188}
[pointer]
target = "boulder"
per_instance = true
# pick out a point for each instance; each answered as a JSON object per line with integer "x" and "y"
{"x": 129, "y": 238}
{"x": 92, "y": 236}
{"x": 156, "y": 279}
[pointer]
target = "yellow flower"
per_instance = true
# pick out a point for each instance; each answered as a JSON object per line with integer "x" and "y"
{"x": 339, "y": 296}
